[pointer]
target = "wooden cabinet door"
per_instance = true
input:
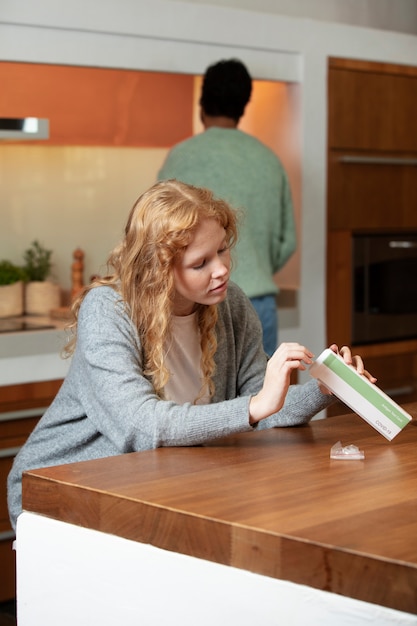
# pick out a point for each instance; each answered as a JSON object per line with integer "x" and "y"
{"x": 339, "y": 288}
{"x": 371, "y": 192}
{"x": 372, "y": 110}
{"x": 371, "y": 186}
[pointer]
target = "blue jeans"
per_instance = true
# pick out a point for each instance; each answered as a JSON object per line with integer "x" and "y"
{"x": 266, "y": 308}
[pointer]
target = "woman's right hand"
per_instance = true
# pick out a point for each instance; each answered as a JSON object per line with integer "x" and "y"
{"x": 271, "y": 398}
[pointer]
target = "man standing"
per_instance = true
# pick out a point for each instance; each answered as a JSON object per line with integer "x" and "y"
{"x": 243, "y": 171}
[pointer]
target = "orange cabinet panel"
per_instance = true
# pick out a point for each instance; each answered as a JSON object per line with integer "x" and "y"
{"x": 98, "y": 106}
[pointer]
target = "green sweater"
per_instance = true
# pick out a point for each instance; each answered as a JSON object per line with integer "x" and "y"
{"x": 240, "y": 169}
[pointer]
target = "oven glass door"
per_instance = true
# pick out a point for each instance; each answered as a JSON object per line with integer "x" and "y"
{"x": 384, "y": 288}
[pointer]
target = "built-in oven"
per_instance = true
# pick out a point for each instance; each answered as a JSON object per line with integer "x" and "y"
{"x": 384, "y": 287}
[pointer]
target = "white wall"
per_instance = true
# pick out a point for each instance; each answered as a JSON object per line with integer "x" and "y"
{"x": 178, "y": 36}
{"x": 70, "y": 197}
{"x": 398, "y": 16}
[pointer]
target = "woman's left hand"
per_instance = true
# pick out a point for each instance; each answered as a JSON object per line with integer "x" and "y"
{"x": 355, "y": 360}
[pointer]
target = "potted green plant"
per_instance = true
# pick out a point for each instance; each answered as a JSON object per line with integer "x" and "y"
{"x": 41, "y": 294}
{"x": 38, "y": 264}
{"x": 12, "y": 278}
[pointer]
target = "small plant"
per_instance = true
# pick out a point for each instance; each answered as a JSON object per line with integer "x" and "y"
{"x": 37, "y": 262}
{"x": 10, "y": 273}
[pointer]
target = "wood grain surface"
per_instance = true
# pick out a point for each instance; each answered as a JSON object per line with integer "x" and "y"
{"x": 271, "y": 502}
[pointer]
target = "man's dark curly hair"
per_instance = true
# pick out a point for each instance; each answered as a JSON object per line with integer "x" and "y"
{"x": 226, "y": 90}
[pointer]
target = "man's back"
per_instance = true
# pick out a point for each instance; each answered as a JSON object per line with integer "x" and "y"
{"x": 240, "y": 169}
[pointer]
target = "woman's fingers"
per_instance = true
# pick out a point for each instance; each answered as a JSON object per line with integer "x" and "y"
{"x": 292, "y": 353}
{"x": 355, "y": 360}
{"x": 288, "y": 357}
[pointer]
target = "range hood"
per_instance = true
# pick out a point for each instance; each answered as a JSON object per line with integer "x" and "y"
{"x": 24, "y": 128}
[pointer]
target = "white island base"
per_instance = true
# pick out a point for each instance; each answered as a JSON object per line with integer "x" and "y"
{"x": 69, "y": 575}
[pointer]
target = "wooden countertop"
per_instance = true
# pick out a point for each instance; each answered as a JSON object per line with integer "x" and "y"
{"x": 271, "y": 502}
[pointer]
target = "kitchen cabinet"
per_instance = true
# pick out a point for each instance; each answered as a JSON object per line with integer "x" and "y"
{"x": 21, "y": 406}
{"x": 371, "y": 192}
{"x": 372, "y": 145}
{"x": 371, "y": 188}
{"x": 90, "y": 106}
{"x": 372, "y": 106}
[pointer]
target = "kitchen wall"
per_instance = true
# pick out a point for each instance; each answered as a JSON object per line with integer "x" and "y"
{"x": 176, "y": 36}
{"x": 78, "y": 196}
{"x": 399, "y": 16}
{"x": 70, "y": 197}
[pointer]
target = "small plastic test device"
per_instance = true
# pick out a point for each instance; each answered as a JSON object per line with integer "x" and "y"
{"x": 362, "y": 396}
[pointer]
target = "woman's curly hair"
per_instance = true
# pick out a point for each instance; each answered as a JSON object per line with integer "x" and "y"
{"x": 159, "y": 228}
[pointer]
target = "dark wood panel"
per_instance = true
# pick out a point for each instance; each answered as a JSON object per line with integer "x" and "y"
{"x": 5, "y": 467}
{"x": 28, "y": 395}
{"x": 339, "y": 288}
{"x": 371, "y": 196}
{"x": 372, "y": 110}
{"x": 394, "y": 364}
{"x": 7, "y": 571}
{"x": 371, "y": 116}
{"x": 13, "y": 433}
{"x": 361, "y": 65}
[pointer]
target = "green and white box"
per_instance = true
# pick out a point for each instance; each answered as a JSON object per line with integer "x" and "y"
{"x": 362, "y": 396}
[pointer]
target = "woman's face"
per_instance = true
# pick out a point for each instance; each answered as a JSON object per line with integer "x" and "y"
{"x": 201, "y": 275}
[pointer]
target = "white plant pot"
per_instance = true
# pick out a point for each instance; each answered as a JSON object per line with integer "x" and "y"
{"x": 41, "y": 297}
{"x": 11, "y": 299}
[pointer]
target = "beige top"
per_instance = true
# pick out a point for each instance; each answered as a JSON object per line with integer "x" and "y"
{"x": 184, "y": 362}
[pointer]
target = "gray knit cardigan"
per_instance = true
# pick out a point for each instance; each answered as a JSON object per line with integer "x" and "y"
{"x": 106, "y": 406}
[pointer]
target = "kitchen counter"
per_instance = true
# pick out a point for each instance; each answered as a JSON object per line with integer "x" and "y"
{"x": 269, "y": 502}
{"x": 33, "y": 355}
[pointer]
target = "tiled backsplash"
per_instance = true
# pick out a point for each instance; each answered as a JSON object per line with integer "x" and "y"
{"x": 70, "y": 197}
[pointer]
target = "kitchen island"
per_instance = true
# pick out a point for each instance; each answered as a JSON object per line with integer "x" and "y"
{"x": 248, "y": 528}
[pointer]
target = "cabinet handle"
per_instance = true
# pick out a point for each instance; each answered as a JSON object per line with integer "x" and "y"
{"x": 402, "y": 244}
{"x": 23, "y": 414}
{"x": 9, "y": 452}
{"x": 6, "y": 535}
{"x": 369, "y": 160}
